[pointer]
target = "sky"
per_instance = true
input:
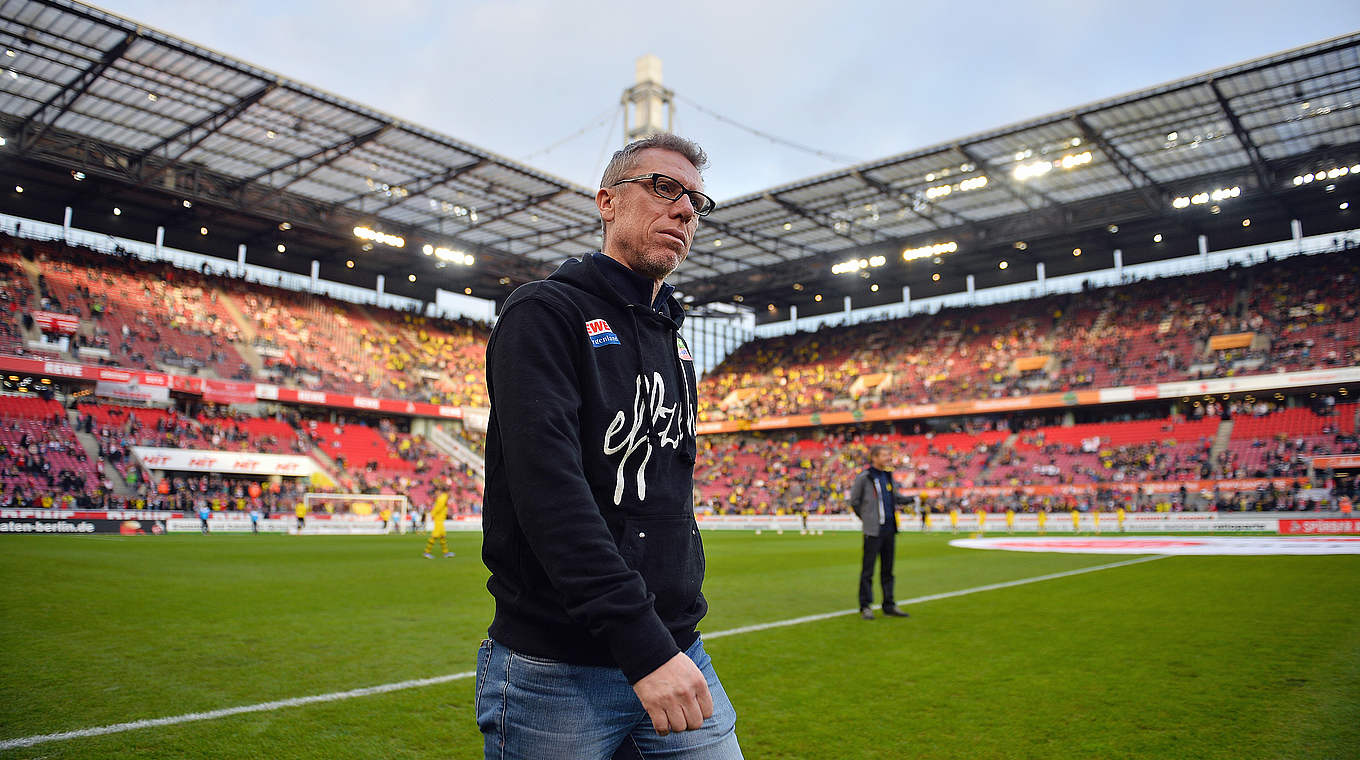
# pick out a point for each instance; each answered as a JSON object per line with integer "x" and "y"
{"x": 856, "y": 80}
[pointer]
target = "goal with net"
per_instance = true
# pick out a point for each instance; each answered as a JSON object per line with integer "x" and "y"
{"x": 354, "y": 513}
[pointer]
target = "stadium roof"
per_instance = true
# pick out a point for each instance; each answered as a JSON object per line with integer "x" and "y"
{"x": 155, "y": 116}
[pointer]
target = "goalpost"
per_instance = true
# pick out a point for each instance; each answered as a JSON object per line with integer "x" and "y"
{"x": 356, "y": 512}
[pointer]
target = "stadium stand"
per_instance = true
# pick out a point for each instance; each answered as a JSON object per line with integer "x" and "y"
{"x": 764, "y": 475}
{"x": 1276, "y": 317}
{"x": 382, "y": 460}
{"x": 1139, "y": 333}
{"x": 1136, "y": 334}
{"x": 156, "y": 317}
{"x": 145, "y": 316}
{"x": 15, "y": 295}
{"x": 41, "y": 460}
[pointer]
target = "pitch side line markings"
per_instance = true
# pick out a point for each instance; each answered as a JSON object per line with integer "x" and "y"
{"x": 29, "y": 741}
{"x": 930, "y": 597}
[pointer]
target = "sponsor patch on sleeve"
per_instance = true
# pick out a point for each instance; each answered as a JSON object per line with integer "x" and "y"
{"x": 683, "y": 349}
{"x": 601, "y": 334}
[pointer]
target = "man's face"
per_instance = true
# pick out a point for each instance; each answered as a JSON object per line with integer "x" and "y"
{"x": 647, "y": 233}
{"x": 882, "y": 459}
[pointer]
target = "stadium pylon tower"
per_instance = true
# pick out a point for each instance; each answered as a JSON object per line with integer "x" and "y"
{"x": 646, "y": 101}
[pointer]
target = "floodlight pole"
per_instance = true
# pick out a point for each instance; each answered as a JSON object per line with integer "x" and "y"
{"x": 644, "y": 102}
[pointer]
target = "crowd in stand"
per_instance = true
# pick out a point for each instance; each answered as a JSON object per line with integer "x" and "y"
{"x": 430, "y": 472}
{"x": 153, "y": 316}
{"x": 15, "y": 295}
{"x": 767, "y": 474}
{"x": 138, "y": 314}
{"x": 32, "y": 454}
{"x": 41, "y": 461}
{"x": 1304, "y": 317}
{"x": 320, "y": 343}
{"x": 404, "y": 463}
{"x": 188, "y": 493}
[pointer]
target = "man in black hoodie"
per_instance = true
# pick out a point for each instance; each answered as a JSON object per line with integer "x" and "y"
{"x": 588, "y": 525}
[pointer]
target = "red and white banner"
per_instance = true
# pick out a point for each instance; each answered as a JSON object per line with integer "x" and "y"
{"x": 225, "y": 392}
{"x": 198, "y": 460}
{"x": 223, "y": 389}
{"x": 52, "y": 322}
{"x": 1337, "y": 461}
{"x": 1319, "y": 527}
{"x": 131, "y": 390}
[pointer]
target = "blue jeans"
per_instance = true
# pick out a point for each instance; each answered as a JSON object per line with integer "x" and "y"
{"x": 532, "y": 708}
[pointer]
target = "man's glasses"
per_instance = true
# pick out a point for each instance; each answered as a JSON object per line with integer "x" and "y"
{"x": 671, "y": 189}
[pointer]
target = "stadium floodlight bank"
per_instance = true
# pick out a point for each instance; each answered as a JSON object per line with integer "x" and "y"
{"x": 354, "y": 514}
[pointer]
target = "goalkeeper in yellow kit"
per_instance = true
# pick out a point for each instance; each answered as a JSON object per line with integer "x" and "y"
{"x": 438, "y": 513}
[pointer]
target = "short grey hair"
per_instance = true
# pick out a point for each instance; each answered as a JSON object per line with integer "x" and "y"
{"x": 625, "y": 159}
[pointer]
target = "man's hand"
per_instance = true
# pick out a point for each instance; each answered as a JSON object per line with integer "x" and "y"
{"x": 676, "y": 696}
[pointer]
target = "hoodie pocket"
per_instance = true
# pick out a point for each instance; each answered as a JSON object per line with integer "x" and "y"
{"x": 669, "y": 554}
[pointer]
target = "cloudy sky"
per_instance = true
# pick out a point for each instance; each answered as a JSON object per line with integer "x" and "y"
{"x": 856, "y": 80}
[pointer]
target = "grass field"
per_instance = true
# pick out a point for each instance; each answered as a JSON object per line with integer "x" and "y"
{"x": 1206, "y": 657}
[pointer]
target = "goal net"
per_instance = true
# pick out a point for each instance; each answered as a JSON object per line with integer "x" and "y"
{"x": 355, "y": 513}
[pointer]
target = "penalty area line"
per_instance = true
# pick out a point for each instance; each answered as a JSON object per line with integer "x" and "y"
{"x": 368, "y": 691}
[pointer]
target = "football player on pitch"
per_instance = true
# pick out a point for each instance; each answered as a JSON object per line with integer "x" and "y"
{"x": 437, "y": 516}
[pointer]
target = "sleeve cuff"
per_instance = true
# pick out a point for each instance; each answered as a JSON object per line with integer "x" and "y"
{"x": 641, "y": 645}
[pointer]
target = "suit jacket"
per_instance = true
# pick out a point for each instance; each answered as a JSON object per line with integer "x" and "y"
{"x": 864, "y": 499}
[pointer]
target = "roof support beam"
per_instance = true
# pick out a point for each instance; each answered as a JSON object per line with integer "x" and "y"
{"x": 766, "y": 243}
{"x": 1003, "y": 179}
{"x": 324, "y": 155}
{"x": 1138, "y": 179}
{"x": 422, "y": 185}
{"x": 560, "y": 235}
{"x": 890, "y": 193}
{"x": 196, "y": 133}
{"x": 36, "y": 125}
{"x": 578, "y": 229}
{"x": 750, "y": 240}
{"x": 503, "y": 211}
{"x": 340, "y": 152}
{"x": 958, "y": 219}
{"x": 1258, "y": 164}
{"x": 697, "y": 261}
{"x": 712, "y": 252}
{"x": 818, "y": 219}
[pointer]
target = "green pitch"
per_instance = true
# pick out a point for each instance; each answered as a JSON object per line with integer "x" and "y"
{"x": 1206, "y": 657}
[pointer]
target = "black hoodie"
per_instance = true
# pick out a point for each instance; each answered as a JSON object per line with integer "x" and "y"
{"x": 588, "y": 520}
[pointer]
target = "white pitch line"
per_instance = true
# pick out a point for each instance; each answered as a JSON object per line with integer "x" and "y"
{"x": 931, "y": 597}
{"x": 336, "y": 696}
{"x": 29, "y": 741}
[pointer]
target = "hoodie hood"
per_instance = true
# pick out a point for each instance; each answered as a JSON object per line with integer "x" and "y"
{"x": 584, "y": 273}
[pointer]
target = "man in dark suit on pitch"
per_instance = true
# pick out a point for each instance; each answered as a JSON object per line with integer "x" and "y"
{"x": 875, "y": 500}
